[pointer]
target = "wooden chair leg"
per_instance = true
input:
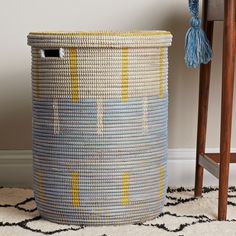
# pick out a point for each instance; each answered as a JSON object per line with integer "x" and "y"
{"x": 203, "y": 108}
{"x": 227, "y": 105}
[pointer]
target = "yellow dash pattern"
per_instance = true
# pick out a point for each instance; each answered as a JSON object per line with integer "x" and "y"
{"x": 74, "y": 74}
{"x": 161, "y": 88}
{"x": 161, "y": 175}
{"x": 125, "y": 189}
{"x": 40, "y": 186}
{"x": 75, "y": 189}
{"x": 124, "y": 73}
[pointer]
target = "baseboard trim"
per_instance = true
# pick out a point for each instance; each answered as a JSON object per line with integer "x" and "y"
{"x": 15, "y": 157}
{"x": 16, "y": 168}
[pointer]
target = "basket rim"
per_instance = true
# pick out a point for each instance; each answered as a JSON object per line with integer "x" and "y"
{"x": 102, "y": 33}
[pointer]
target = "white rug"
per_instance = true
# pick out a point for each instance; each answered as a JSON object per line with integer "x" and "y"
{"x": 182, "y": 215}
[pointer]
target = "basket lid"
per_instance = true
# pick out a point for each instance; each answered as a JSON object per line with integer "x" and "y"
{"x": 100, "y": 39}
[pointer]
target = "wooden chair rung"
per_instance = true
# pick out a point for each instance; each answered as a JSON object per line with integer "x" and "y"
{"x": 207, "y": 163}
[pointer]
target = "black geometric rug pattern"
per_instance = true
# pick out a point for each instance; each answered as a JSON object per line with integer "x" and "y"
{"x": 182, "y": 215}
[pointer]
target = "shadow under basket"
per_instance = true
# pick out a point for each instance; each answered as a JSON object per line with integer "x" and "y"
{"x": 100, "y": 111}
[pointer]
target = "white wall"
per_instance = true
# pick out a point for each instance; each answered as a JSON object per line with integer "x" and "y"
{"x": 18, "y": 18}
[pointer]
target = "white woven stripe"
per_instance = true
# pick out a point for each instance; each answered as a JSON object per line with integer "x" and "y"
{"x": 62, "y": 52}
{"x": 56, "y": 123}
{"x": 100, "y": 110}
{"x": 51, "y": 72}
{"x": 99, "y": 72}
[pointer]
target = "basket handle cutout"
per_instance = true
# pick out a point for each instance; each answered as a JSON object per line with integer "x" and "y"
{"x": 52, "y": 53}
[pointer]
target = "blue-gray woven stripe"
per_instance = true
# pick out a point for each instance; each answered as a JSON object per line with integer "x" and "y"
{"x": 100, "y": 160}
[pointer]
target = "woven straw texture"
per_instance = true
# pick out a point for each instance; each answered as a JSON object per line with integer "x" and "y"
{"x": 100, "y": 109}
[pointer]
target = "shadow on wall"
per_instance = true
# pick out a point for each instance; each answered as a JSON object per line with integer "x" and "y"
{"x": 15, "y": 113}
{"x": 183, "y": 84}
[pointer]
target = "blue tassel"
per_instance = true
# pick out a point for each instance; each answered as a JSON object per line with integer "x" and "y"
{"x": 197, "y": 47}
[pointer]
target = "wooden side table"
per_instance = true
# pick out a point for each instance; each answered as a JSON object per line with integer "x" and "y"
{"x": 217, "y": 164}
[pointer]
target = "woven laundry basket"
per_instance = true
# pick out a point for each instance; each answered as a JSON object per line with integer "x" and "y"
{"x": 100, "y": 103}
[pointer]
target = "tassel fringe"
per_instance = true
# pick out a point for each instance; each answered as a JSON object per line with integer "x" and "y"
{"x": 197, "y": 46}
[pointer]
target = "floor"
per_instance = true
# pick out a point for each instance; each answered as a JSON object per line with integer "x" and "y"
{"x": 182, "y": 215}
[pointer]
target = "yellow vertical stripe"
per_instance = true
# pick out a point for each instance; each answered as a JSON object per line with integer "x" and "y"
{"x": 74, "y": 74}
{"x": 124, "y": 82}
{"x": 161, "y": 176}
{"x": 40, "y": 186}
{"x": 125, "y": 189}
{"x": 161, "y": 88}
{"x": 75, "y": 189}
